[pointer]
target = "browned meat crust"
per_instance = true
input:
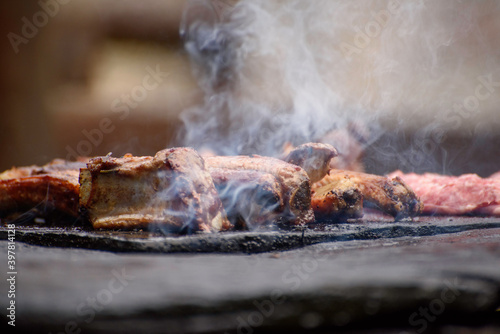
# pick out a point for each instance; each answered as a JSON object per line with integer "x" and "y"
{"x": 171, "y": 191}
{"x": 250, "y": 198}
{"x": 46, "y": 189}
{"x": 339, "y": 199}
{"x": 293, "y": 180}
{"x": 57, "y": 167}
{"x": 392, "y": 196}
{"x": 314, "y": 158}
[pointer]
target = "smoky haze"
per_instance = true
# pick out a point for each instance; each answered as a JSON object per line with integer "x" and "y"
{"x": 274, "y": 72}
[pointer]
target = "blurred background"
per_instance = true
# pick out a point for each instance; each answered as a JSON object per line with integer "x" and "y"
{"x": 58, "y": 85}
{"x": 88, "y": 77}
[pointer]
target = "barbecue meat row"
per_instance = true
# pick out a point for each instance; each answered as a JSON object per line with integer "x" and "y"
{"x": 179, "y": 191}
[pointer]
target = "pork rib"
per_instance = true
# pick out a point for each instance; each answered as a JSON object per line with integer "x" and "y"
{"x": 43, "y": 189}
{"x": 171, "y": 191}
{"x": 293, "y": 180}
{"x": 250, "y": 198}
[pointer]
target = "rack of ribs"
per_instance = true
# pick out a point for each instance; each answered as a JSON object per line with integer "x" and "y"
{"x": 172, "y": 192}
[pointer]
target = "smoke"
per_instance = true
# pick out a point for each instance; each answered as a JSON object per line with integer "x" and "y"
{"x": 263, "y": 81}
{"x": 274, "y": 72}
{"x": 249, "y": 206}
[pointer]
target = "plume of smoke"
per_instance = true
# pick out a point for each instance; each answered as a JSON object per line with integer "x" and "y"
{"x": 291, "y": 71}
{"x": 264, "y": 84}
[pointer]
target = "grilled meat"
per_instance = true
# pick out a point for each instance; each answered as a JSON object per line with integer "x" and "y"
{"x": 339, "y": 199}
{"x": 293, "y": 180}
{"x": 392, "y": 196}
{"x": 250, "y": 198}
{"x": 314, "y": 158}
{"x": 171, "y": 191}
{"x": 42, "y": 190}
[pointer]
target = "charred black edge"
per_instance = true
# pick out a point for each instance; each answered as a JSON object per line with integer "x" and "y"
{"x": 351, "y": 198}
{"x": 300, "y": 199}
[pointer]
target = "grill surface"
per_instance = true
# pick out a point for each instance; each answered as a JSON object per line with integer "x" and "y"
{"x": 365, "y": 274}
{"x": 264, "y": 240}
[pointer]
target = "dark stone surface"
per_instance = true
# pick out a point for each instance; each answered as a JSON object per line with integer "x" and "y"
{"x": 350, "y": 277}
{"x": 244, "y": 242}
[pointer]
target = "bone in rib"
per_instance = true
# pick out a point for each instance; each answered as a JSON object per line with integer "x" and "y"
{"x": 251, "y": 198}
{"x": 293, "y": 180}
{"x": 171, "y": 191}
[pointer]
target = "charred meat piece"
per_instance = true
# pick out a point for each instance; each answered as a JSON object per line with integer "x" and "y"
{"x": 314, "y": 158}
{"x": 391, "y": 196}
{"x": 172, "y": 192}
{"x": 338, "y": 200}
{"x": 293, "y": 180}
{"x": 42, "y": 190}
{"x": 250, "y": 198}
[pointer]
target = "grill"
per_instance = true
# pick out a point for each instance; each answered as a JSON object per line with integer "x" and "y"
{"x": 372, "y": 273}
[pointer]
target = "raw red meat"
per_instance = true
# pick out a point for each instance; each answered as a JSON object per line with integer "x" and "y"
{"x": 495, "y": 175}
{"x": 455, "y": 195}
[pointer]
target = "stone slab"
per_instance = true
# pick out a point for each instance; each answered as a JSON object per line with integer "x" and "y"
{"x": 421, "y": 276}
